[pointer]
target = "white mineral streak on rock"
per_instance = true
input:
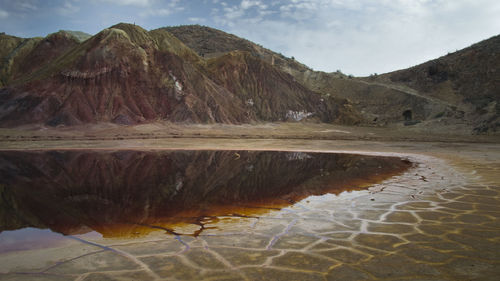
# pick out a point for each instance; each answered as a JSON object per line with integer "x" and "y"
{"x": 297, "y": 115}
{"x": 86, "y": 74}
{"x": 179, "y": 184}
{"x": 178, "y": 86}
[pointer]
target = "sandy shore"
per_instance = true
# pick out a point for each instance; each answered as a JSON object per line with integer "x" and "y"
{"x": 147, "y": 134}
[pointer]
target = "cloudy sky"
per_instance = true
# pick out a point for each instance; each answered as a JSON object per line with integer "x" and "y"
{"x": 358, "y": 37}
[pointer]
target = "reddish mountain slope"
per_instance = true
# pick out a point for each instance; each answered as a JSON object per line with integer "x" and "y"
{"x": 127, "y": 75}
{"x": 273, "y": 94}
{"x": 197, "y": 74}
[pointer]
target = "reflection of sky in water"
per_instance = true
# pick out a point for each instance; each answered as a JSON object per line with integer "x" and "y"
{"x": 28, "y": 239}
{"x": 32, "y": 238}
{"x": 89, "y": 235}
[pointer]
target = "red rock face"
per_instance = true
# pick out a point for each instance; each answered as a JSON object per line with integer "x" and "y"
{"x": 127, "y": 75}
{"x": 271, "y": 93}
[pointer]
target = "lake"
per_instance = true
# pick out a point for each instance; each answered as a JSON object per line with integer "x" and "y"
{"x": 131, "y": 193}
{"x": 129, "y": 214}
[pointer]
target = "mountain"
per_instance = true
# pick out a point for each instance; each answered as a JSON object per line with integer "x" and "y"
{"x": 209, "y": 43}
{"x": 127, "y": 75}
{"x": 197, "y": 74}
{"x": 457, "y": 89}
{"x": 468, "y": 80}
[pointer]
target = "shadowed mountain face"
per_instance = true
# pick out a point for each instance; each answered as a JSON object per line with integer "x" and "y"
{"x": 128, "y": 75}
{"x": 125, "y": 192}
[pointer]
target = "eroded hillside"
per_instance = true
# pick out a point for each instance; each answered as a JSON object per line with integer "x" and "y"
{"x": 460, "y": 89}
{"x": 197, "y": 74}
{"x": 127, "y": 75}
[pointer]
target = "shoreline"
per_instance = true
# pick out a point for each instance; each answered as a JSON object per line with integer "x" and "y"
{"x": 154, "y": 135}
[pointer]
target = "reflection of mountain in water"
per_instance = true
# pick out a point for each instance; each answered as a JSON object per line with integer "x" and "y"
{"x": 79, "y": 191}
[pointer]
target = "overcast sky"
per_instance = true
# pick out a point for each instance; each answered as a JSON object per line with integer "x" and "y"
{"x": 358, "y": 37}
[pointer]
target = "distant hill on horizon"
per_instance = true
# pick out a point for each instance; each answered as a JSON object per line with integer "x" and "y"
{"x": 197, "y": 74}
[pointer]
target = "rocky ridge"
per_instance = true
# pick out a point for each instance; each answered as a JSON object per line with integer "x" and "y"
{"x": 459, "y": 89}
{"x": 197, "y": 74}
{"x": 127, "y": 75}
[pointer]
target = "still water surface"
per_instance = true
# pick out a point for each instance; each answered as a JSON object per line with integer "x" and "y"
{"x": 239, "y": 215}
{"x": 131, "y": 193}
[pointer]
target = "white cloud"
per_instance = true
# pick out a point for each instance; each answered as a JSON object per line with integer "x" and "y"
{"x": 248, "y": 11}
{"x": 27, "y": 5}
{"x": 67, "y": 9}
{"x": 156, "y": 12}
{"x": 233, "y": 13}
{"x": 247, "y": 4}
{"x": 196, "y": 19}
{"x": 166, "y": 10}
{"x": 366, "y": 36}
{"x": 3, "y": 14}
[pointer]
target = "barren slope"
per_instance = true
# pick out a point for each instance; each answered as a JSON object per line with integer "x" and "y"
{"x": 460, "y": 89}
{"x": 468, "y": 79}
{"x": 197, "y": 74}
{"x": 128, "y": 75}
